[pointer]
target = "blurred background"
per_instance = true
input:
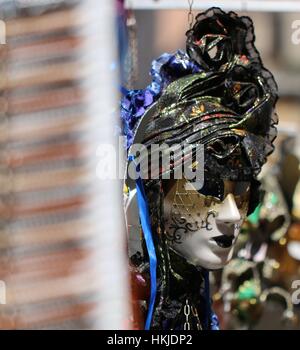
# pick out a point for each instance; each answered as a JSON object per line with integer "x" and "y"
{"x": 63, "y": 262}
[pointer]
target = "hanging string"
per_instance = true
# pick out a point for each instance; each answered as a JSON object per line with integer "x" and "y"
{"x": 131, "y": 64}
{"x": 190, "y": 14}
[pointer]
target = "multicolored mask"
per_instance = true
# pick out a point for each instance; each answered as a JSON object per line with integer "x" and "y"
{"x": 218, "y": 96}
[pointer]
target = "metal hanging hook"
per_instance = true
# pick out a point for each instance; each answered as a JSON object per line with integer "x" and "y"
{"x": 190, "y": 14}
{"x": 131, "y": 62}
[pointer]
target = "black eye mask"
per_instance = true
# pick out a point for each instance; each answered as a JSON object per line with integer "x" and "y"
{"x": 220, "y": 189}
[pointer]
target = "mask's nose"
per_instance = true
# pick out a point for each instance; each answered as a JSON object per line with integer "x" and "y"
{"x": 228, "y": 212}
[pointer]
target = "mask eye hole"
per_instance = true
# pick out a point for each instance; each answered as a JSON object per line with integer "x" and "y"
{"x": 219, "y": 189}
{"x": 241, "y": 187}
{"x": 213, "y": 189}
{"x": 241, "y": 192}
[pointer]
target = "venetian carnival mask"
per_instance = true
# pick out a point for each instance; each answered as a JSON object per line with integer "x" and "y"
{"x": 218, "y": 97}
{"x": 203, "y": 225}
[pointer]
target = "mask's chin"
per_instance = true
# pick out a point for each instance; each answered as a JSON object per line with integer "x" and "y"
{"x": 206, "y": 259}
{"x": 214, "y": 263}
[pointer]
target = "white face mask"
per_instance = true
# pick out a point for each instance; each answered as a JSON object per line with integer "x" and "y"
{"x": 204, "y": 229}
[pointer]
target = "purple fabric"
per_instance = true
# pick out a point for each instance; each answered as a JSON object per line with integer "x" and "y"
{"x": 164, "y": 70}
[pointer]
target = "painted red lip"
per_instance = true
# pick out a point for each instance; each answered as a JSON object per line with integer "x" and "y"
{"x": 224, "y": 241}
